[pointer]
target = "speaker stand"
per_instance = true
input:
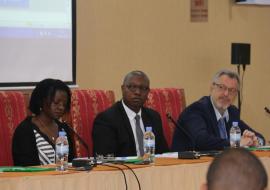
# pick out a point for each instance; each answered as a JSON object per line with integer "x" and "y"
{"x": 239, "y": 91}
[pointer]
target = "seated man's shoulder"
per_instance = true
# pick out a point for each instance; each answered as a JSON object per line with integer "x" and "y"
{"x": 199, "y": 105}
{"x": 110, "y": 112}
{"x": 233, "y": 109}
{"x": 150, "y": 112}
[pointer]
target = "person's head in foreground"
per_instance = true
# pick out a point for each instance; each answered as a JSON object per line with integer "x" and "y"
{"x": 236, "y": 169}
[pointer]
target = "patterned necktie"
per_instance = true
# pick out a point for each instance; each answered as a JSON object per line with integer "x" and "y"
{"x": 139, "y": 134}
{"x": 222, "y": 128}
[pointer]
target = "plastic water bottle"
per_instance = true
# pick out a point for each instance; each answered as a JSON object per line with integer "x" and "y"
{"x": 61, "y": 152}
{"x": 235, "y": 135}
{"x": 149, "y": 145}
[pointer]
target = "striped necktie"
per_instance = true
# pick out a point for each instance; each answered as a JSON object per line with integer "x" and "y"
{"x": 139, "y": 134}
{"x": 222, "y": 128}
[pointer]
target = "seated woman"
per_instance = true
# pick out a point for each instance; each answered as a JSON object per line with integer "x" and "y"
{"x": 34, "y": 138}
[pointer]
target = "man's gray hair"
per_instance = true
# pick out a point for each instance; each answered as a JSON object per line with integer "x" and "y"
{"x": 135, "y": 73}
{"x": 229, "y": 73}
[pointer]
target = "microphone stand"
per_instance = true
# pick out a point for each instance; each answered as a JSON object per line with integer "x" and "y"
{"x": 82, "y": 163}
{"x": 81, "y": 141}
{"x": 191, "y": 154}
{"x": 239, "y": 91}
{"x": 267, "y": 110}
{"x": 185, "y": 154}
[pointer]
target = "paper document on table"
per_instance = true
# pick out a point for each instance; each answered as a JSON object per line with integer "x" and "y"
{"x": 167, "y": 155}
{"x": 23, "y": 169}
{"x": 259, "y": 148}
{"x": 128, "y": 159}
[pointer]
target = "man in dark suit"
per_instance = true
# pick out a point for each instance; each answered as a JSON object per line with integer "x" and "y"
{"x": 119, "y": 129}
{"x": 202, "y": 120}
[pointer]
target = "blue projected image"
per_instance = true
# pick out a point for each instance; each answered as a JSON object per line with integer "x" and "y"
{"x": 34, "y": 33}
{"x": 35, "y": 19}
{"x": 37, "y": 39}
{"x": 14, "y": 3}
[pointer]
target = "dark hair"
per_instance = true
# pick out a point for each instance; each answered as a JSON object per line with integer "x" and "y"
{"x": 45, "y": 91}
{"x": 236, "y": 169}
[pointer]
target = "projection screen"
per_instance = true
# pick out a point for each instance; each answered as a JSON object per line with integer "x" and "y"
{"x": 37, "y": 41}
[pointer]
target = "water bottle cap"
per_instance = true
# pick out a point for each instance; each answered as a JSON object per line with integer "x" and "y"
{"x": 62, "y": 133}
{"x": 235, "y": 123}
{"x": 148, "y": 128}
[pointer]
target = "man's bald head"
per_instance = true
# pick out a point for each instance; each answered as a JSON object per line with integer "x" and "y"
{"x": 236, "y": 169}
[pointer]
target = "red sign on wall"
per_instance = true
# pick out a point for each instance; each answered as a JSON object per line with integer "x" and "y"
{"x": 198, "y": 10}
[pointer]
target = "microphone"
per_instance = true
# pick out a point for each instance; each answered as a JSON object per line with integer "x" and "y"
{"x": 82, "y": 163}
{"x": 185, "y": 154}
{"x": 267, "y": 110}
{"x": 191, "y": 154}
{"x": 85, "y": 145}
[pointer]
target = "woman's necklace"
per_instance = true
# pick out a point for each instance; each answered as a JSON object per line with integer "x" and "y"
{"x": 45, "y": 129}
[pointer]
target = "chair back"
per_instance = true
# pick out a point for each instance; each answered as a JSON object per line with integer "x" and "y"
{"x": 85, "y": 105}
{"x": 164, "y": 101}
{"x": 12, "y": 112}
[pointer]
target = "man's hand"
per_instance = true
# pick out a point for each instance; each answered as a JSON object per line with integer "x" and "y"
{"x": 249, "y": 139}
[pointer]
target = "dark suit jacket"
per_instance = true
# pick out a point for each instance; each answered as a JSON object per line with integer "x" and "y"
{"x": 112, "y": 132}
{"x": 200, "y": 122}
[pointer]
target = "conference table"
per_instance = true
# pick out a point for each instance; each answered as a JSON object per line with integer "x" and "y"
{"x": 166, "y": 173}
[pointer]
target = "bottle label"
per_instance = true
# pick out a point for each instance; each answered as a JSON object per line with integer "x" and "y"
{"x": 61, "y": 149}
{"x": 149, "y": 143}
{"x": 235, "y": 137}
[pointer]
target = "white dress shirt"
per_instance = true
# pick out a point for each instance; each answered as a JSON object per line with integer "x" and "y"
{"x": 131, "y": 116}
{"x": 218, "y": 115}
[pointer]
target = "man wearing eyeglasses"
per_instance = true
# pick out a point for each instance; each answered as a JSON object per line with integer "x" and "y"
{"x": 119, "y": 130}
{"x": 208, "y": 120}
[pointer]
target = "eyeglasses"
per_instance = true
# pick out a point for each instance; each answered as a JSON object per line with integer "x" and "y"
{"x": 133, "y": 88}
{"x": 223, "y": 88}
